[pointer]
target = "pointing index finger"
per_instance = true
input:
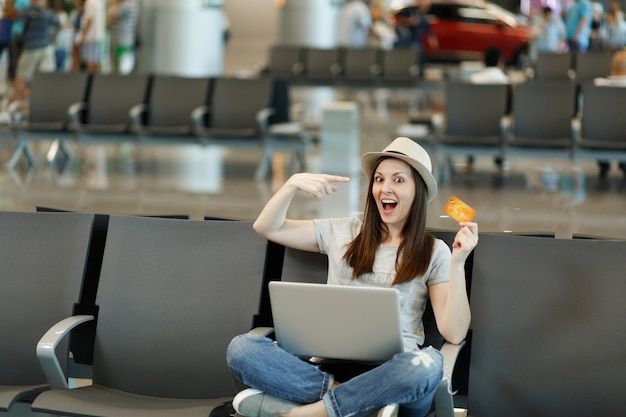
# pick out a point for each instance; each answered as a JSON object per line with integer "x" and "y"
{"x": 337, "y": 178}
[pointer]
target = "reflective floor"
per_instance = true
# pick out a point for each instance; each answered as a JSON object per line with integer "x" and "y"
{"x": 530, "y": 196}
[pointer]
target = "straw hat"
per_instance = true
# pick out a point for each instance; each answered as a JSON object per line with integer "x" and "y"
{"x": 410, "y": 152}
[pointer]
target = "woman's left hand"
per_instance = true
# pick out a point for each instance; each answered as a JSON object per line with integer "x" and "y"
{"x": 465, "y": 241}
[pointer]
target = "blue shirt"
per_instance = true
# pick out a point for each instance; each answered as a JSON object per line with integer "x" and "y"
{"x": 577, "y": 11}
{"x": 551, "y": 34}
{"x": 18, "y": 25}
{"x": 41, "y": 22}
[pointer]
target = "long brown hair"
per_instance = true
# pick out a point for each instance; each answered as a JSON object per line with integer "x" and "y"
{"x": 416, "y": 248}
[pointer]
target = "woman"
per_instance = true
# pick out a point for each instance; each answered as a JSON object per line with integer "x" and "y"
{"x": 547, "y": 32}
{"x": 389, "y": 247}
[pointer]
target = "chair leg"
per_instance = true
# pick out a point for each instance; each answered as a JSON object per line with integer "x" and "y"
{"x": 65, "y": 148}
{"x": 444, "y": 404}
{"x": 444, "y": 168}
{"x": 298, "y": 162}
{"x": 264, "y": 168}
{"x": 59, "y": 147}
{"x": 22, "y": 146}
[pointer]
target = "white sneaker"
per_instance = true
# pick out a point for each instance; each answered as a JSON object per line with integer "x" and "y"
{"x": 254, "y": 403}
{"x": 388, "y": 411}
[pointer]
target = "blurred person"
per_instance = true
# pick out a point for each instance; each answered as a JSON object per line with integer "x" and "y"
{"x": 90, "y": 38}
{"x": 385, "y": 36}
{"x": 63, "y": 38}
{"x": 40, "y": 26}
{"x": 354, "y": 24}
{"x": 493, "y": 72}
{"x": 6, "y": 23}
{"x": 618, "y": 71}
{"x": 597, "y": 25}
{"x": 75, "y": 21}
{"x": 419, "y": 31}
{"x": 15, "y": 28}
{"x": 614, "y": 34}
{"x": 547, "y": 32}
{"x": 616, "y": 79}
{"x": 226, "y": 29}
{"x": 578, "y": 19}
{"x": 123, "y": 19}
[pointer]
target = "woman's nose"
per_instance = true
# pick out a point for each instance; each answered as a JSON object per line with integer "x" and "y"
{"x": 386, "y": 187}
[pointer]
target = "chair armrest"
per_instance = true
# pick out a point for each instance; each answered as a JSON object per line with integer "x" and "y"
{"x": 16, "y": 110}
{"x": 199, "y": 115}
{"x": 444, "y": 404}
{"x": 75, "y": 112}
{"x": 505, "y": 126}
{"x": 437, "y": 121}
{"x": 261, "y": 331}
{"x": 376, "y": 70}
{"x": 450, "y": 354}
{"x": 263, "y": 116}
{"x": 46, "y": 350}
{"x": 576, "y": 125}
{"x": 336, "y": 69}
{"x": 137, "y": 114}
{"x": 297, "y": 68}
{"x": 14, "y": 106}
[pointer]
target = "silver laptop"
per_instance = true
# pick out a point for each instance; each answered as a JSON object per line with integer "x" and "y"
{"x": 336, "y": 321}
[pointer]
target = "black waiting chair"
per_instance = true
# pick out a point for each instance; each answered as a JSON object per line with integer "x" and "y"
{"x": 467, "y": 128}
{"x": 360, "y": 66}
{"x": 43, "y": 258}
{"x": 45, "y": 116}
{"x": 399, "y": 67}
{"x": 237, "y": 113}
{"x": 553, "y": 66}
{"x": 286, "y": 61}
{"x": 535, "y": 131}
{"x": 592, "y": 65}
{"x": 167, "y": 114}
{"x": 602, "y": 125}
{"x": 105, "y": 114}
{"x": 171, "y": 296}
{"x": 240, "y": 115}
{"x": 547, "y": 318}
{"x": 322, "y": 65}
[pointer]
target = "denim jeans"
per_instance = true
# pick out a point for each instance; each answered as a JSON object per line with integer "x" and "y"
{"x": 409, "y": 379}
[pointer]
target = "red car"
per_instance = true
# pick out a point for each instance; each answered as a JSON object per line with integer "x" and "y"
{"x": 465, "y": 28}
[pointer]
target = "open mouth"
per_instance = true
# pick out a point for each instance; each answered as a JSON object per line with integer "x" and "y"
{"x": 389, "y": 204}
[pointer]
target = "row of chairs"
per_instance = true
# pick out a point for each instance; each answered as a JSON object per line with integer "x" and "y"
{"x": 581, "y": 67}
{"x": 550, "y": 118}
{"x": 147, "y": 108}
{"x": 169, "y": 294}
{"x": 400, "y": 66}
{"x": 345, "y": 66}
{"x": 149, "y": 305}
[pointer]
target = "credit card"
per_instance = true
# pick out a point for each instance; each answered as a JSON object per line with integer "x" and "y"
{"x": 459, "y": 210}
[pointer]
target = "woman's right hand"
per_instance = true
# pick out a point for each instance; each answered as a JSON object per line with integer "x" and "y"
{"x": 318, "y": 185}
{"x": 272, "y": 222}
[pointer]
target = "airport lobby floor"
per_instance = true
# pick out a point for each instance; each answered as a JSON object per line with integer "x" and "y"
{"x": 194, "y": 181}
